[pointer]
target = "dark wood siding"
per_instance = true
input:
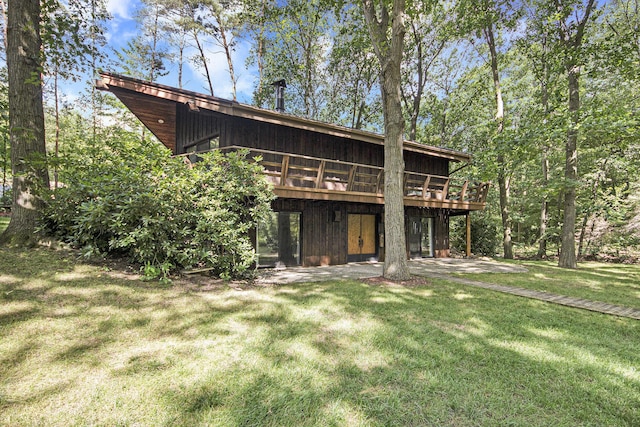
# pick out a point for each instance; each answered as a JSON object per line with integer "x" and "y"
{"x": 324, "y": 233}
{"x": 420, "y": 163}
{"x": 237, "y": 131}
{"x": 267, "y": 136}
{"x": 193, "y": 127}
{"x": 324, "y": 228}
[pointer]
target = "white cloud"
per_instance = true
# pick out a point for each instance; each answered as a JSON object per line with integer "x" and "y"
{"x": 219, "y": 71}
{"x": 120, "y": 8}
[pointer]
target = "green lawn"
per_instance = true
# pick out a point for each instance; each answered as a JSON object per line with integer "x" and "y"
{"x": 612, "y": 283}
{"x": 80, "y": 345}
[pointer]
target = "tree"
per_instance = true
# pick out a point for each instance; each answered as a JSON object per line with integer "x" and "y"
{"x": 203, "y": 22}
{"x": 4, "y": 137}
{"x": 427, "y": 36}
{"x": 294, "y": 47}
{"x": 537, "y": 47}
{"x": 387, "y": 31}
{"x": 352, "y": 76}
{"x": 254, "y": 18}
{"x": 483, "y": 19}
{"x": 26, "y": 120}
{"x": 72, "y": 37}
{"x": 225, "y": 14}
{"x": 571, "y": 29}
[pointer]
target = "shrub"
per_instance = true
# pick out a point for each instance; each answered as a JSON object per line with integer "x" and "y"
{"x": 485, "y": 237}
{"x": 141, "y": 203}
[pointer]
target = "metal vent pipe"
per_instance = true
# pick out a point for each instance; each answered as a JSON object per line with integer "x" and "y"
{"x": 280, "y": 85}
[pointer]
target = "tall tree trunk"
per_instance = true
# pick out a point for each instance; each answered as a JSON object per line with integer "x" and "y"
{"x": 227, "y": 51}
{"x": 504, "y": 184}
{"x": 568, "y": 249}
{"x": 583, "y": 231}
{"x": 181, "y": 48}
{"x": 571, "y": 35}
{"x": 3, "y": 10}
{"x": 94, "y": 69}
{"x": 203, "y": 59}
{"x": 415, "y": 110}
{"x": 423, "y": 65}
{"x": 26, "y": 120}
{"x": 232, "y": 75}
{"x": 600, "y": 177}
{"x": 57, "y": 134}
{"x": 544, "y": 207}
{"x": 389, "y": 53}
{"x": 503, "y": 179}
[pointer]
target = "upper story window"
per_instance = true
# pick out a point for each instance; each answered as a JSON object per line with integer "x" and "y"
{"x": 207, "y": 144}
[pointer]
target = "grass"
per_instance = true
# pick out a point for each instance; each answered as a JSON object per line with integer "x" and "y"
{"x": 611, "y": 283}
{"x": 80, "y": 345}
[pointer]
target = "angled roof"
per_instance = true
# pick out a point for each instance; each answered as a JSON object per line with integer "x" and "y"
{"x": 154, "y": 105}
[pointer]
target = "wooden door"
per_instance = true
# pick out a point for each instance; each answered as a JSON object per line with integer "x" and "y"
{"x": 361, "y": 236}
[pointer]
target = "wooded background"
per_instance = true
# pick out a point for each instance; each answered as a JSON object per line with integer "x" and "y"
{"x": 543, "y": 94}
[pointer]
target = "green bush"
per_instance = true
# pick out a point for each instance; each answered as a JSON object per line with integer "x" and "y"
{"x": 485, "y": 237}
{"x": 139, "y": 202}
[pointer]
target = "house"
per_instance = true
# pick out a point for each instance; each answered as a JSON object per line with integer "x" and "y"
{"x": 328, "y": 179}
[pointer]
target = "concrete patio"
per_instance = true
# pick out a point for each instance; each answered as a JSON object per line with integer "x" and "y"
{"x": 420, "y": 267}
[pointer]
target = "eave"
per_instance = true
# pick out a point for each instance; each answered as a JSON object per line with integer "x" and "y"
{"x": 154, "y": 105}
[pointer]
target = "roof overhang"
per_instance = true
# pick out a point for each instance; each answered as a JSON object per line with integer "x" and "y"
{"x": 154, "y": 105}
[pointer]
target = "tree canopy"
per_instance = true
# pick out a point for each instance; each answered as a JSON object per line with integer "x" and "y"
{"x": 542, "y": 93}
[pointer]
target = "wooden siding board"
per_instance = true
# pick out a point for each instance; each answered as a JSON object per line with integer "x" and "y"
{"x": 195, "y": 126}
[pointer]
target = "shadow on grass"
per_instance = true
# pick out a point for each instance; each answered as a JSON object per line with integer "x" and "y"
{"x": 334, "y": 353}
{"x": 452, "y": 356}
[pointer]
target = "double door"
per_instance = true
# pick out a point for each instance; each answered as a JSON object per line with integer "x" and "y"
{"x": 361, "y": 231}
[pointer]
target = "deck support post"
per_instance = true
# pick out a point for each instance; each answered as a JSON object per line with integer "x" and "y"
{"x": 463, "y": 192}
{"x": 468, "y": 235}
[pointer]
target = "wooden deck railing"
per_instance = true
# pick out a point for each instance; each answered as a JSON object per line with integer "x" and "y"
{"x": 312, "y": 173}
{"x": 286, "y": 170}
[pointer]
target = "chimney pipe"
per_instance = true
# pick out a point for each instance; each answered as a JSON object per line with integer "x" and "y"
{"x": 279, "y": 85}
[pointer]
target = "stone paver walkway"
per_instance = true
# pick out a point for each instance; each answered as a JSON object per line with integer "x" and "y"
{"x": 441, "y": 268}
{"x": 598, "y": 306}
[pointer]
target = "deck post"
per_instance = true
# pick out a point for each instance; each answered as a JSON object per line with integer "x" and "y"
{"x": 463, "y": 192}
{"x": 284, "y": 169}
{"x": 320, "y": 176}
{"x": 425, "y": 187}
{"x": 468, "y": 235}
{"x": 352, "y": 177}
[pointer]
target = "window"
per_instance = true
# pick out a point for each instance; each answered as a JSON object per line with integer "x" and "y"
{"x": 278, "y": 239}
{"x": 208, "y": 144}
{"x": 420, "y": 237}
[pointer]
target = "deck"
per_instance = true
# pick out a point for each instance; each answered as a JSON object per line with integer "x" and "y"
{"x": 304, "y": 177}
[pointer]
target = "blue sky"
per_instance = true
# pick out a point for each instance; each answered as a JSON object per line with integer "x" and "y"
{"x": 123, "y": 27}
